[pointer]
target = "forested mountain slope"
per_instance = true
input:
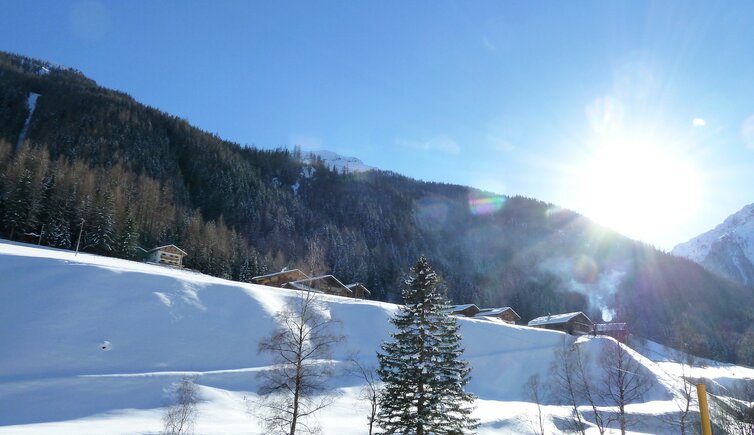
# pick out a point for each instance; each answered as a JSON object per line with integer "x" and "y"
{"x": 140, "y": 177}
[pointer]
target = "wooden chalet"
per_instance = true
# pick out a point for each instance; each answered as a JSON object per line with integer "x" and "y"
{"x": 278, "y": 279}
{"x": 618, "y": 331}
{"x": 506, "y": 314}
{"x": 468, "y": 310}
{"x": 170, "y": 255}
{"x": 576, "y": 323}
{"x": 359, "y": 291}
{"x": 323, "y": 284}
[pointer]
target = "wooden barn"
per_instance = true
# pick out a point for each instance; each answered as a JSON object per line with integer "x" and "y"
{"x": 325, "y": 284}
{"x": 506, "y": 314}
{"x": 278, "y": 279}
{"x": 576, "y": 323}
{"x": 359, "y": 291}
{"x": 170, "y": 255}
{"x": 618, "y": 331}
{"x": 468, "y": 310}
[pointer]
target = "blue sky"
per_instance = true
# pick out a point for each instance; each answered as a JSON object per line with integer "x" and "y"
{"x": 636, "y": 113}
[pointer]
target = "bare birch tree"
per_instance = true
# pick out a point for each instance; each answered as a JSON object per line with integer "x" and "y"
{"x": 565, "y": 386}
{"x": 180, "y": 417}
{"x": 623, "y": 382}
{"x": 370, "y": 392}
{"x": 586, "y": 390}
{"x": 294, "y": 389}
{"x": 533, "y": 390}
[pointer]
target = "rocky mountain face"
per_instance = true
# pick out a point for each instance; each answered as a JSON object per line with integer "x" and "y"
{"x": 728, "y": 249}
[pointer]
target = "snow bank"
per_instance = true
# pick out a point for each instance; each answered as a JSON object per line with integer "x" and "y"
{"x": 91, "y": 345}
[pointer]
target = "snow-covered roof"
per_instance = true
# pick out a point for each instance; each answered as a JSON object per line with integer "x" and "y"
{"x": 331, "y": 280}
{"x": 280, "y": 273}
{"x": 496, "y": 311}
{"x": 553, "y": 319}
{"x": 356, "y": 284}
{"x": 168, "y": 246}
{"x": 457, "y": 308}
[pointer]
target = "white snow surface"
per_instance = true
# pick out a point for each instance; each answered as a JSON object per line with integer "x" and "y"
{"x": 739, "y": 226}
{"x": 91, "y": 344}
{"x": 31, "y": 103}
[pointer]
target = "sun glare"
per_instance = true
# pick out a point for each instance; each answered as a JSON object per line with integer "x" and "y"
{"x": 637, "y": 187}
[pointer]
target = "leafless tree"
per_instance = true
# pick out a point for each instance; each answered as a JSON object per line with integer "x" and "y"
{"x": 294, "y": 389}
{"x": 179, "y": 418}
{"x": 686, "y": 418}
{"x": 565, "y": 386}
{"x": 533, "y": 390}
{"x": 586, "y": 390}
{"x": 735, "y": 409}
{"x": 370, "y": 392}
{"x": 623, "y": 381}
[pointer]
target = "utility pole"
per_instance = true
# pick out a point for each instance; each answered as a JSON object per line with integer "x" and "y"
{"x": 78, "y": 242}
{"x": 41, "y": 233}
{"x": 701, "y": 391}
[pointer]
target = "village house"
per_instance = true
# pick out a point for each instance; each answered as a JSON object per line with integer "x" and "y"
{"x": 170, "y": 255}
{"x": 327, "y": 284}
{"x": 278, "y": 279}
{"x": 358, "y": 290}
{"x": 506, "y": 314}
{"x": 576, "y": 323}
{"x": 297, "y": 280}
{"x": 618, "y": 331}
{"x": 468, "y": 310}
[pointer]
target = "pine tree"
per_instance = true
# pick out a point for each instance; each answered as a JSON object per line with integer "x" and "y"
{"x": 58, "y": 234}
{"x": 99, "y": 237}
{"x": 422, "y": 368}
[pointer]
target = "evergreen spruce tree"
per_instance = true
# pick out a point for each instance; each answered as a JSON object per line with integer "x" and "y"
{"x": 58, "y": 233}
{"x": 422, "y": 368}
{"x": 126, "y": 241}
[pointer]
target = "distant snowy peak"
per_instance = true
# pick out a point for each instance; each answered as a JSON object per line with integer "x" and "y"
{"x": 336, "y": 161}
{"x": 728, "y": 249}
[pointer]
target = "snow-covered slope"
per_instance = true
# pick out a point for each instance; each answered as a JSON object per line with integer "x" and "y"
{"x": 728, "y": 249}
{"x": 91, "y": 344}
{"x": 340, "y": 163}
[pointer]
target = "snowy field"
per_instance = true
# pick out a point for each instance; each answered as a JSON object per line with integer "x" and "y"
{"x": 92, "y": 345}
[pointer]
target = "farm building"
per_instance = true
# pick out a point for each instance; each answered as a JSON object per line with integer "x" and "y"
{"x": 170, "y": 255}
{"x": 324, "y": 284}
{"x": 576, "y": 323}
{"x": 618, "y": 331}
{"x": 468, "y": 310}
{"x": 278, "y": 279}
{"x": 506, "y": 314}
{"x": 359, "y": 290}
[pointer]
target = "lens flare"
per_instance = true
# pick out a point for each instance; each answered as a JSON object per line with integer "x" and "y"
{"x": 605, "y": 115}
{"x": 585, "y": 270}
{"x": 486, "y": 204}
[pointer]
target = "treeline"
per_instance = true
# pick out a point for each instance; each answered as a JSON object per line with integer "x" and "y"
{"x": 116, "y": 213}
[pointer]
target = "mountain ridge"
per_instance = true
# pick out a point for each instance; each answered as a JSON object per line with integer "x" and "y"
{"x": 727, "y": 249}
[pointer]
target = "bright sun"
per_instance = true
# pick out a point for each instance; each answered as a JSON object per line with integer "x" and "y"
{"x": 636, "y": 187}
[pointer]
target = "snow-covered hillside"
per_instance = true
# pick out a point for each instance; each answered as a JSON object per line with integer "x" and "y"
{"x": 340, "y": 163}
{"x": 728, "y": 249}
{"x": 90, "y": 345}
